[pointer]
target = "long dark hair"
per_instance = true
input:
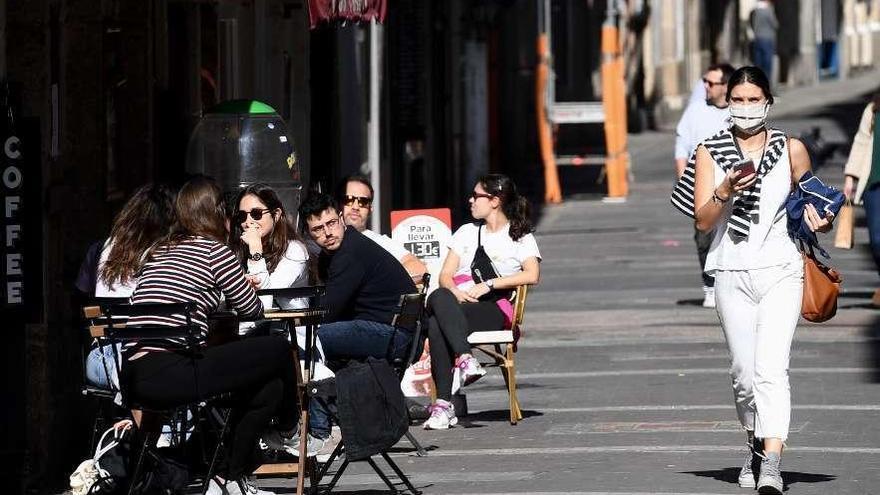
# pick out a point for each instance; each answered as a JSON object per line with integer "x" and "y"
{"x": 750, "y": 74}
{"x": 275, "y": 244}
{"x": 876, "y": 101}
{"x": 515, "y": 206}
{"x": 144, "y": 220}
{"x": 201, "y": 211}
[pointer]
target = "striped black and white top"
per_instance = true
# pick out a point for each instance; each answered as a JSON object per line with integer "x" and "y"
{"x": 196, "y": 270}
{"x": 724, "y": 150}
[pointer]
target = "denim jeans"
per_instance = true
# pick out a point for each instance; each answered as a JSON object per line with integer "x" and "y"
{"x": 101, "y": 367}
{"x": 354, "y": 339}
{"x": 871, "y": 199}
{"x": 763, "y": 51}
{"x": 359, "y": 339}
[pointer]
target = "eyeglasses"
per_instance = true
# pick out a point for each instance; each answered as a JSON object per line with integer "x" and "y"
{"x": 712, "y": 84}
{"x": 319, "y": 230}
{"x": 255, "y": 213}
{"x": 362, "y": 201}
{"x": 475, "y": 195}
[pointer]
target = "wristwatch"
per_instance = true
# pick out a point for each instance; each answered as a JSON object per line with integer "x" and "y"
{"x": 256, "y": 256}
{"x": 490, "y": 283}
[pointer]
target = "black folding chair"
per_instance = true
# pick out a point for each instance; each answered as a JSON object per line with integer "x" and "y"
{"x": 104, "y": 396}
{"x": 116, "y": 330}
{"x": 408, "y": 317}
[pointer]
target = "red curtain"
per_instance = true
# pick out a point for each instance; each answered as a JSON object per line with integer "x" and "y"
{"x": 346, "y": 10}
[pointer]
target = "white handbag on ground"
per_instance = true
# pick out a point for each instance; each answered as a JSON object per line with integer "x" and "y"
{"x": 89, "y": 471}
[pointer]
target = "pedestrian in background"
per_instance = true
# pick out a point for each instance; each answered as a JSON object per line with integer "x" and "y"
{"x": 764, "y": 26}
{"x": 758, "y": 269}
{"x": 862, "y": 182}
{"x": 701, "y": 119}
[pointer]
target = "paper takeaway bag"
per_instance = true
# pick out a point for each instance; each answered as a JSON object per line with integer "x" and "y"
{"x": 843, "y": 236}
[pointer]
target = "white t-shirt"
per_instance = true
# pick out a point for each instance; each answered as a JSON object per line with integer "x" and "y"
{"x": 506, "y": 254}
{"x": 387, "y": 244}
{"x": 119, "y": 289}
{"x": 291, "y": 271}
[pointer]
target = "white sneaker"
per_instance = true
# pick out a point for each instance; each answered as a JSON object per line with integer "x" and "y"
{"x": 272, "y": 440}
{"x": 323, "y": 455}
{"x": 708, "y": 297}
{"x": 232, "y": 487}
{"x": 469, "y": 369}
{"x": 442, "y": 416}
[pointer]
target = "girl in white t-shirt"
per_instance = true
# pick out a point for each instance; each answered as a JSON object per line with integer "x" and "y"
{"x": 462, "y": 304}
{"x": 143, "y": 221}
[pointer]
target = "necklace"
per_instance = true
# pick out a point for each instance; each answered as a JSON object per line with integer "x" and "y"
{"x": 753, "y": 150}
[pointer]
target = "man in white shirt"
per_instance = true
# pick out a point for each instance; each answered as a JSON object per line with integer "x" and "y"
{"x": 355, "y": 194}
{"x": 702, "y": 119}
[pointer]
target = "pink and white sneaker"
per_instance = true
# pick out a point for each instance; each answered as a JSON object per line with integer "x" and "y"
{"x": 442, "y": 416}
{"x": 468, "y": 369}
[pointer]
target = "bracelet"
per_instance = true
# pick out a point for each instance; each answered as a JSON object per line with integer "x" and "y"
{"x": 716, "y": 198}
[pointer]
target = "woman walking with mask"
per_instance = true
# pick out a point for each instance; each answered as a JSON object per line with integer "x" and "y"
{"x": 743, "y": 178}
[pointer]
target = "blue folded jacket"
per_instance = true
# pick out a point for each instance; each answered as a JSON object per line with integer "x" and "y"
{"x": 826, "y": 199}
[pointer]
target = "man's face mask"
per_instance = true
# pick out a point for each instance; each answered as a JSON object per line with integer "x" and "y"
{"x": 749, "y": 118}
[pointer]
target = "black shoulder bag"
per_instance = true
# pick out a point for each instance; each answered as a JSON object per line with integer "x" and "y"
{"x": 482, "y": 269}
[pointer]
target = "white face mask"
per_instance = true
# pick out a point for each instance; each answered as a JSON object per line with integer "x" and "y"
{"x": 749, "y": 118}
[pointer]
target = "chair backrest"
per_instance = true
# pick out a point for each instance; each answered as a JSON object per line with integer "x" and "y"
{"x": 95, "y": 322}
{"x": 311, "y": 292}
{"x": 519, "y": 306}
{"x": 116, "y": 331}
{"x": 408, "y": 317}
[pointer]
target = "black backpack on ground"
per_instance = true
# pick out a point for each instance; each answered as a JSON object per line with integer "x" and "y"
{"x": 371, "y": 408}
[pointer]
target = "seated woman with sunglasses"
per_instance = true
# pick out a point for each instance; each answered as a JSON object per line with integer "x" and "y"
{"x": 194, "y": 265}
{"x": 498, "y": 252}
{"x": 264, "y": 239}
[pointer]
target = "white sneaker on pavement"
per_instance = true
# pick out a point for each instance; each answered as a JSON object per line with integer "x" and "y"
{"x": 442, "y": 416}
{"x": 323, "y": 455}
{"x": 233, "y": 487}
{"x": 708, "y": 297}
{"x": 272, "y": 440}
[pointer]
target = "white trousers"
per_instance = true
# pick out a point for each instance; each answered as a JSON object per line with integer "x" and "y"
{"x": 759, "y": 311}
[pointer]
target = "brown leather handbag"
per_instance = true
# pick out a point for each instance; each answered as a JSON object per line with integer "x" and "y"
{"x": 821, "y": 288}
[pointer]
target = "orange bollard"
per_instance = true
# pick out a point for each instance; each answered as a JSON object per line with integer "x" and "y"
{"x": 614, "y": 102}
{"x": 552, "y": 190}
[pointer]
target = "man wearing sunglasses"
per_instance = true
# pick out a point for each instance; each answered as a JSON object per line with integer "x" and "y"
{"x": 703, "y": 118}
{"x": 355, "y": 194}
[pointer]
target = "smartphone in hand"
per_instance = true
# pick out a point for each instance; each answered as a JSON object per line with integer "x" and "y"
{"x": 745, "y": 167}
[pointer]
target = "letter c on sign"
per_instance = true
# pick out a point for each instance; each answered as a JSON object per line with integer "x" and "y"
{"x": 13, "y": 153}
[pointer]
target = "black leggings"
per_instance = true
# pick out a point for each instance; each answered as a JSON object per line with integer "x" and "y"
{"x": 449, "y": 325}
{"x": 259, "y": 371}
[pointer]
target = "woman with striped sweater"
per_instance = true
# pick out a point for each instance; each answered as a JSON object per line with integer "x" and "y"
{"x": 194, "y": 265}
{"x": 743, "y": 177}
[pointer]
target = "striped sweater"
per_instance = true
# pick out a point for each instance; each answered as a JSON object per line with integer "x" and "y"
{"x": 195, "y": 270}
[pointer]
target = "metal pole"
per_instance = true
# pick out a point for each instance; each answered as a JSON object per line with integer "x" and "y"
{"x": 373, "y": 156}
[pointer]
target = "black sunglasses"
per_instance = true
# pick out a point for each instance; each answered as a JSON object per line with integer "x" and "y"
{"x": 255, "y": 213}
{"x": 477, "y": 195}
{"x": 712, "y": 84}
{"x": 362, "y": 201}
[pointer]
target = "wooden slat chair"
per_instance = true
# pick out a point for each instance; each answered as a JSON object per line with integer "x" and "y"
{"x": 491, "y": 342}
